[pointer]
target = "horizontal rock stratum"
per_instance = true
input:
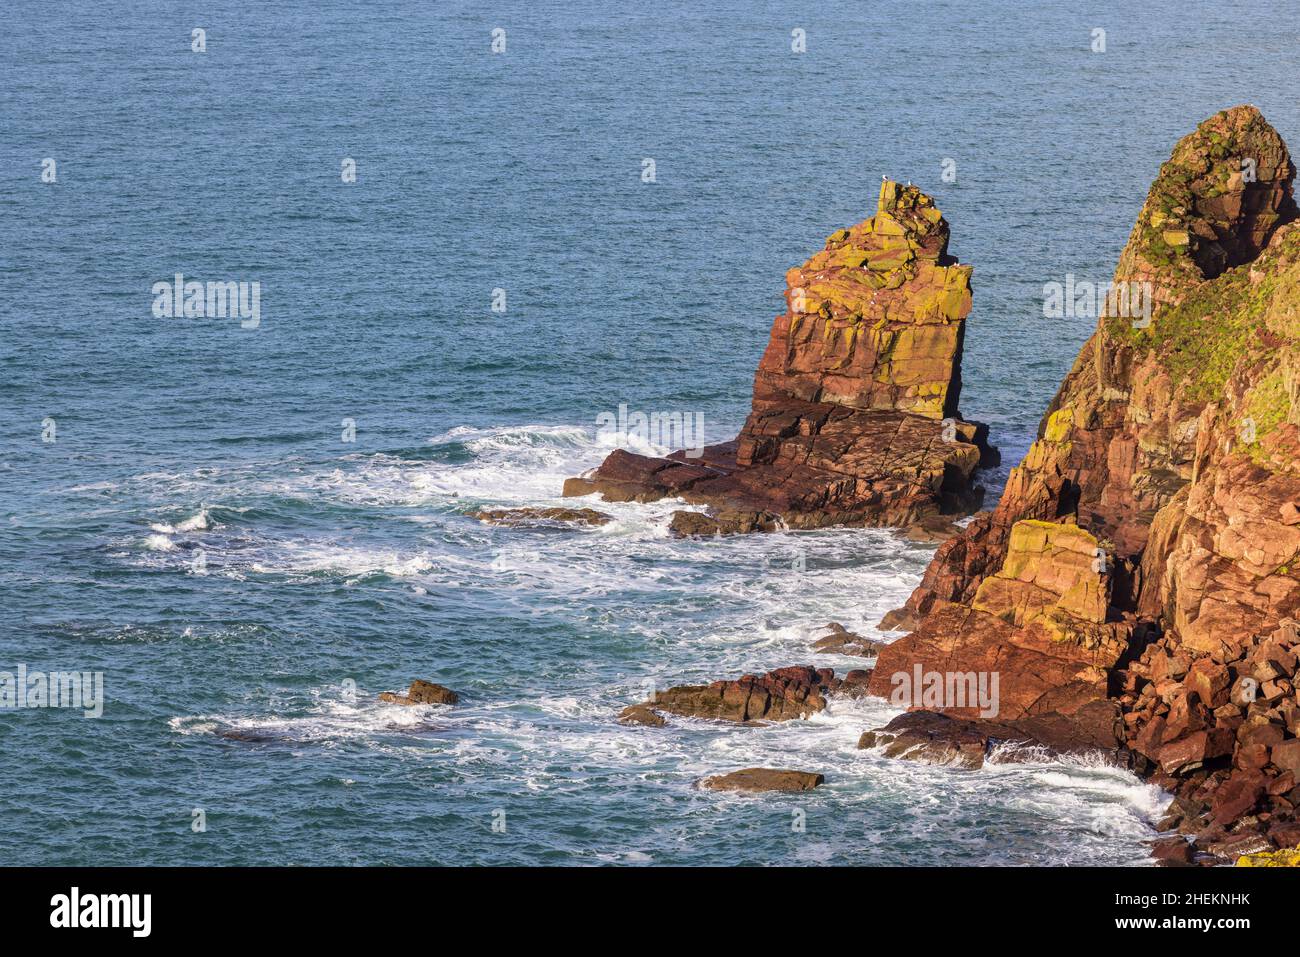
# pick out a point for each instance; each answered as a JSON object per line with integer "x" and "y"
{"x": 1147, "y": 549}
{"x": 854, "y": 418}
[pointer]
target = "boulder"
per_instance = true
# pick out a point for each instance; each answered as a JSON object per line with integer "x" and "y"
{"x": 1237, "y": 796}
{"x": 725, "y": 522}
{"x": 1285, "y": 756}
{"x": 640, "y": 714}
{"x": 421, "y": 692}
{"x": 1174, "y": 850}
{"x": 1208, "y": 680}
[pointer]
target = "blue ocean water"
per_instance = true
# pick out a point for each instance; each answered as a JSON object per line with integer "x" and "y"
{"x": 330, "y": 565}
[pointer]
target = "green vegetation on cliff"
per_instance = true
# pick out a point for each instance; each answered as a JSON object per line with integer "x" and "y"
{"x": 1220, "y": 324}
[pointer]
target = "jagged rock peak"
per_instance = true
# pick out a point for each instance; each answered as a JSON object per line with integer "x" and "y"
{"x": 1214, "y": 204}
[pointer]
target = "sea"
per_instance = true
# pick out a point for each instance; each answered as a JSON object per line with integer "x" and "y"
{"x": 460, "y": 234}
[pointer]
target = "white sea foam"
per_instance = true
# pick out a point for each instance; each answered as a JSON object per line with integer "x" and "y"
{"x": 699, "y": 610}
{"x": 326, "y": 720}
{"x": 195, "y": 523}
{"x": 159, "y": 542}
{"x": 347, "y": 561}
{"x": 508, "y": 465}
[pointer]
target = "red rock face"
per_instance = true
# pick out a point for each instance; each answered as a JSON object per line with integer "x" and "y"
{"x": 1041, "y": 625}
{"x": 1131, "y": 426}
{"x": 855, "y": 400}
{"x": 1174, "y": 444}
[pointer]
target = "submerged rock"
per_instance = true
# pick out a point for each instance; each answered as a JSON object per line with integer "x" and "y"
{"x": 854, "y": 418}
{"x": 255, "y": 736}
{"x": 421, "y": 692}
{"x": 844, "y": 642}
{"x": 764, "y": 779}
{"x": 641, "y": 714}
{"x": 523, "y": 517}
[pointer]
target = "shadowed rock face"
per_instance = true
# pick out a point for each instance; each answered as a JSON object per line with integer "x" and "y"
{"x": 1172, "y": 451}
{"x": 940, "y": 739}
{"x": 854, "y": 415}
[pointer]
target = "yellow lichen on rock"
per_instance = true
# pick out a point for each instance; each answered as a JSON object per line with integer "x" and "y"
{"x": 1054, "y": 575}
{"x": 1058, "y": 425}
{"x": 892, "y": 275}
{"x": 1288, "y": 858}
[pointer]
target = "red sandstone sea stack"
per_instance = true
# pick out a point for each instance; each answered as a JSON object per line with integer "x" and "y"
{"x": 854, "y": 418}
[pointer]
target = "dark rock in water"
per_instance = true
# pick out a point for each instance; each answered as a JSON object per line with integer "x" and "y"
{"x": 855, "y": 684}
{"x": 844, "y": 642}
{"x": 253, "y": 736}
{"x": 764, "y": 779}
{"x": 780, "y": 695}
{"x": 932, "y": 738}
{"x": 964, "y": 742}
{"x": 854, "y": 418}
{"x": 524, "y": 517}
{"x": 424, "y": 728}
{"x": 640, "y": 714}
{"x": 422, "y": 692}
{"x": 724, "y": 522}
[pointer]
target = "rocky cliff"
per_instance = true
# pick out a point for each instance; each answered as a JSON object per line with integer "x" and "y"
{"x": 854, "y": 417}
{"x": 1147, "y": 549}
